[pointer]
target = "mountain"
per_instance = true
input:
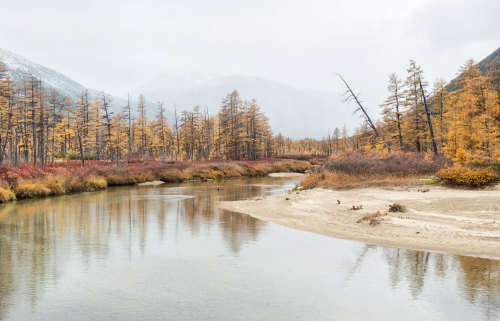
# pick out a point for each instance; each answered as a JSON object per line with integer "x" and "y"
{"x": 489, "y": 64}
{"x": 292, "y": 112}
{"x": 18, "y": 67}
{"x": 492, "y": 62}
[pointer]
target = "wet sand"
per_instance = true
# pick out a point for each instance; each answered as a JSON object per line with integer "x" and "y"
{"x": 437, "y": 219}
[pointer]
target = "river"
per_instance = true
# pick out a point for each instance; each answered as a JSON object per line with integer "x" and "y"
{"x": 167, "y": 252}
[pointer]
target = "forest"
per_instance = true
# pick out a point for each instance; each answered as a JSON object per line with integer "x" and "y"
{"x": 40, "y": 126}
{"x": 458, "y": 119}
{"x": 40, "y": 130}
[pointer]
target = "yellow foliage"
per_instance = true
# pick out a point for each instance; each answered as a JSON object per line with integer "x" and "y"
{"x": 31, "y": 190}
{"x": 467, "y": 176}
{"x": 6, "y": 195}
{"x": 461, "y": 156}
{"x": 94, "y": 183}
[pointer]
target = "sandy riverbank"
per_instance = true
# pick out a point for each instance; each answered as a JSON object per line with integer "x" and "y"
{"x": 463, "y": 222}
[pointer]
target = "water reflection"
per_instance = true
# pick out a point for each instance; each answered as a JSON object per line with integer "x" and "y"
{"x": 41, "y": 241}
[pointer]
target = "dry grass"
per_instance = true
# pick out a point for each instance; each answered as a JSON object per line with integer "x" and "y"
{"x": 6, "y": 195}
{"x": 34, "y": 182}
{"x": 338, "y": 180}
{"x": 31, "y": 190}
{"x": 373, "y": 219}
{"x": 397, "y": 207}
{"x": 95, "y": 183}
{"x": 399, "y": 164}
{"x": 360, "y": 170}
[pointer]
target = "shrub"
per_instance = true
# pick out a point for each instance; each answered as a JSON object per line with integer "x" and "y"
{"x": 170, "y": 175}
{"x": 6, "y": 195}
{"x": 467, "y": 176}
{"x": 373, "y": 219}
{"x": 31, "y": 190}
{"x": 56, "y": 184}
{"x": 120, "y": 179}
{"x": 95, "y": 183}
{"x": 73, "y": 184}
{"x": 397, "y": 207}
{"x": 358, "y": 170}
{"x": 401, "y": 164}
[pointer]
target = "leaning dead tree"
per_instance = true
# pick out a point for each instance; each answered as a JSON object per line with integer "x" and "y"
{"x": 350, "y": 96}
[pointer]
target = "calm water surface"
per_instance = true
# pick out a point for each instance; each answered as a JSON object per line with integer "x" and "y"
{"x": 167, "y": 252}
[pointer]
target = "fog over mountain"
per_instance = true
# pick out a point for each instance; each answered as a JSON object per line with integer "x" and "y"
{"x": 19, "y": 67}
{"x": 292, "y": 112}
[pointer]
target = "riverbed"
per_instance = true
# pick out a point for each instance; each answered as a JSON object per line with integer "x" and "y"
{"x": 167, "y": 252}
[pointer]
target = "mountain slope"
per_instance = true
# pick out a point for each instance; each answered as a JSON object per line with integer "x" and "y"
{"x": 488, "y": 64}
{"x": 292, "y": 112}
{"x": 18, "y": 67}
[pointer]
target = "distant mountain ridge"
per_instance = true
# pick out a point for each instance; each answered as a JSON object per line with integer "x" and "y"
{"x": 491, "y": 62}
{"x": 19, "y": 67}
{"x": 292, "y": 112}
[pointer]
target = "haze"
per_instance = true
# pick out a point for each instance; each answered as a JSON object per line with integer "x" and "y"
{"x": 118, "y": 46}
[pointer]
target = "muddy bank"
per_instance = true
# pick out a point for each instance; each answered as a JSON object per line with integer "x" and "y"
{"x": 462, "y": 222}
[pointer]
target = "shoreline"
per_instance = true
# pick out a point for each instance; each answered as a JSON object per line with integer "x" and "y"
{"x": 20, "y": 183}
{"x": 436, "y": 219}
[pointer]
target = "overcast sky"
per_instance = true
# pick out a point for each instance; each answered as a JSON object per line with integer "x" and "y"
{"x": 118, "y": 45}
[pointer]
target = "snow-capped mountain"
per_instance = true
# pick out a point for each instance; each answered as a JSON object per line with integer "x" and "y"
{"x": 18, "y": 67}
{"x": 292, "y": 112}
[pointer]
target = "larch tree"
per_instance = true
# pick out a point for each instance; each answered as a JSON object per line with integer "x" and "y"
{"x": 392, "y": 109}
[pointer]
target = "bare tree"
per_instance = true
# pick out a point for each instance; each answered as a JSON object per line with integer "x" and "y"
{"x": 349, "y": 96}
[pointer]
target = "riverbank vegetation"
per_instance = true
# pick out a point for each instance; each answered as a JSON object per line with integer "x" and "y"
{"x": 451, "y": 131}
{"x": 24, "y": 182}
{"x": 373, "y": 169}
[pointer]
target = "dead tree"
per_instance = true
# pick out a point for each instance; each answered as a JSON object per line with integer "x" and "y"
{"x": 429, "y": 121}
{"x": 349, "y": 96}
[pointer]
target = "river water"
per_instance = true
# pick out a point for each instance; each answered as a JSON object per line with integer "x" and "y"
{"x": 167, "y": 253}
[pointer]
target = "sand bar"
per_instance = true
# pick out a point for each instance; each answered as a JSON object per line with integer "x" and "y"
{"x": 438, "y": 219}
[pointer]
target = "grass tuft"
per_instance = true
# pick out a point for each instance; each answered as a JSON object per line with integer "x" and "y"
{"x": 397, "y": 207}
{"x": 373, "y": 219}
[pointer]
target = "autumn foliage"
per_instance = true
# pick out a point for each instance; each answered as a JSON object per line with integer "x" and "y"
{"x": 468, "y": 176}
{"x": 356, "y": 169}
{"x": 70, "y": 177}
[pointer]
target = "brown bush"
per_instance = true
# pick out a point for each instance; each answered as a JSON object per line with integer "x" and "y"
{"x": 373, "y": 219}
{"x": 56, "y": 184}
{"x": 399, "y": 164}
{"x": 359, "y": 170}
{"x": 397, "y": 207}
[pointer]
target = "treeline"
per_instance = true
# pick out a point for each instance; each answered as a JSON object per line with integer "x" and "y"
{"x": 460, "y": 120}
{"x": 463, "y": 123}
{"x": 38, "y": 126}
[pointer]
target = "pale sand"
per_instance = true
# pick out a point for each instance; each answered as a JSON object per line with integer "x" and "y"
{"x": 151, "y": 183}
{"x": 285, "y": 174}
{"x": 462, "y": 222}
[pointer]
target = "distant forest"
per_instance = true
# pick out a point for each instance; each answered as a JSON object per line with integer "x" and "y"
{"x": 457, "y": 119}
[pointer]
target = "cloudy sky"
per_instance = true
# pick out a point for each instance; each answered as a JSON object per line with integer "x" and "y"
{"x": 118, "y": 45}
